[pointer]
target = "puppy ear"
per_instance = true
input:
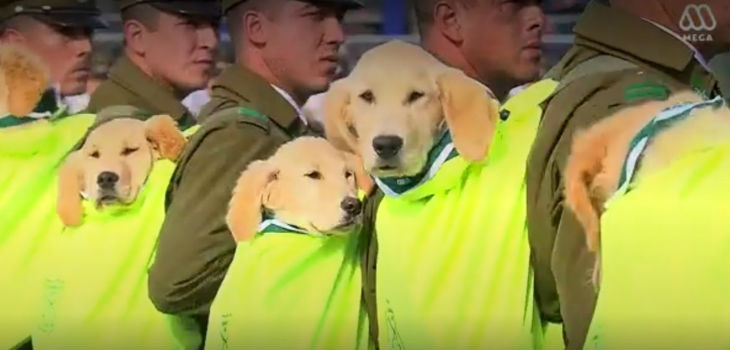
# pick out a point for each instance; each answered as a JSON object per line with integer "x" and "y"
{"x": 584, "y": 164}
{"x": 470, "y": 112}
{"x": 338, "y": 127}
{"x": 26, "y": 77}
{"x": 70, "y": 185}
{"x": 362, "y": 179}
{"x": 162, "y": 132}
{"x": 244, "y": 209}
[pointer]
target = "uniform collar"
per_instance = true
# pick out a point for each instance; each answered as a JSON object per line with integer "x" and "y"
{"x": 245, "y": 86}
{"x": 697, "y": 55}
{"x": 160, "y": 97}
{"x": 291, "y": 101}
{"x": 604, "y": 26}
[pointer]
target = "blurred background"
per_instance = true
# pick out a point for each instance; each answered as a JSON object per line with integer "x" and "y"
{"x": 379, "y": 21}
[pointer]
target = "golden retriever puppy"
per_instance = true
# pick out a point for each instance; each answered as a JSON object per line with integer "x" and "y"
{"x": 599, "y": 152}
{"x": 114, "y": 162}
{"x": 307, "y": 183}
{"x": 296, "y": 217}
{"x": 23, "y": 79}
{"x": 396, "y": 102}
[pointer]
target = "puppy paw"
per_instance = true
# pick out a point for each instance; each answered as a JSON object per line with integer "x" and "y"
{"x": 71, "y": 215}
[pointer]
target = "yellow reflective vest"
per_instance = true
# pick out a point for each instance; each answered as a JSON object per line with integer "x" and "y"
{"x": 30, "y": 155}
{"x": 665, "y": 257}
{"x": 453, "y": 265}
{"x": 290, "y": 289}
{"x": 94, "y": 291}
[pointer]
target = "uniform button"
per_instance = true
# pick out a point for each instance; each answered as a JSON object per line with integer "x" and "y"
{"x": 504, "y": 114}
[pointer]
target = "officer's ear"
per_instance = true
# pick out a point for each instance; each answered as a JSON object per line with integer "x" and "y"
{"x": 70, "y": 186}
{"x": 338, "y": 124}
{"x": 164, "y": 136}
{"x": 135, "y": 35}
{"x": 470, "y": 112}
{"x": 244, "y": 209}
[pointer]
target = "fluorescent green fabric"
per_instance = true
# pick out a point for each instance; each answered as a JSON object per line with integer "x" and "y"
{"x": 665, "y": 259}
{"x": 291, "y": 291}
{"x": 453, "y": 254}
{"x": 95, "y": 290}
{"x": 29, "y": 158}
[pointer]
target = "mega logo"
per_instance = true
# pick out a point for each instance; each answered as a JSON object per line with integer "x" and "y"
{"x": 697, "y": 21}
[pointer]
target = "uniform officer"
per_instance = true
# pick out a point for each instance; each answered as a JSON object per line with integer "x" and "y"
{"x": 625, "y": 52}
{"x": 169, "y": 52}
{"x": 285, "y": 51}
{"x": 59, "y": 32}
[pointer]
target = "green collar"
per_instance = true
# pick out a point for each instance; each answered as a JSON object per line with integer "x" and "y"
{"x": 271, "y": 225}
{"x": 439, "y": 154}
{"x": 660, "y": 122}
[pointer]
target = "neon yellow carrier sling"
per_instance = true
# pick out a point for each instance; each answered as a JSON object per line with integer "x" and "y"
{"x": 94, "y": 294}
{"x": 665, "y": 252}
{"x": 291, "y": 289}
{"x": 30, "y": 153}
{"x": 453, "y": 254}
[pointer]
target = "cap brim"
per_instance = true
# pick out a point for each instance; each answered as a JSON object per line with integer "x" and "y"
{"x": 347, "y": 4}
{"x": 190, "y": 8}
{"x": 77, "y": 20}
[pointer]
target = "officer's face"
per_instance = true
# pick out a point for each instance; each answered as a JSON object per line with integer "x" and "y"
{"x": 301, "y": 45}
{"x": 180, "y": 51}
{"x": 501, "y": 39}
{"x": 65, "y": 50}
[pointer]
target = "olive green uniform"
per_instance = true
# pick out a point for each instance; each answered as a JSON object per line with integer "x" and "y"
{"x": 245, "y": 120}
{"x": 127, "y": 84}
{"x": 617, "y": 60}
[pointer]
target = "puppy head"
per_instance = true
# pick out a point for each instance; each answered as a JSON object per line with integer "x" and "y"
{"x": 23, "y": 79}
{"x": 397, "y": 102}
{"x": 114, "y": 162}
{"x": 306, "y": 183}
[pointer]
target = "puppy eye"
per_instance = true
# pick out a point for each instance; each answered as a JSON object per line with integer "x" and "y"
{"x": 94, "y": 154}
{"x": 414, "y": 96}
{"x": 367, "y": 96}
{"x": 314, "y": 175}
{"x": 129, "y": 150}
{"x": 348, "y": 174}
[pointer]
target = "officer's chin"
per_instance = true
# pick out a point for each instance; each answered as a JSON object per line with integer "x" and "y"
{"x": 74, "y": 86}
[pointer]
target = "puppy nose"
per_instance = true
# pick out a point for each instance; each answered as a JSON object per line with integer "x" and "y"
{"x": 387, "y": 146}
{"x": 351, "y": 206}
{"x": 107, "y": 179}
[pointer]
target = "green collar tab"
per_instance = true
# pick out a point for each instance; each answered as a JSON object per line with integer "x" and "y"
{"x": 666, "y": 118}
{"x": 252, "y": 113}
{"x": 439, "y": 154}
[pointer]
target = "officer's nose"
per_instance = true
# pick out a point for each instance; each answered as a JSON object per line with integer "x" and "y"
{"x": 387, "y": 146}
{"x": 107, "y": 180}
{"x": 351, "y": 206}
